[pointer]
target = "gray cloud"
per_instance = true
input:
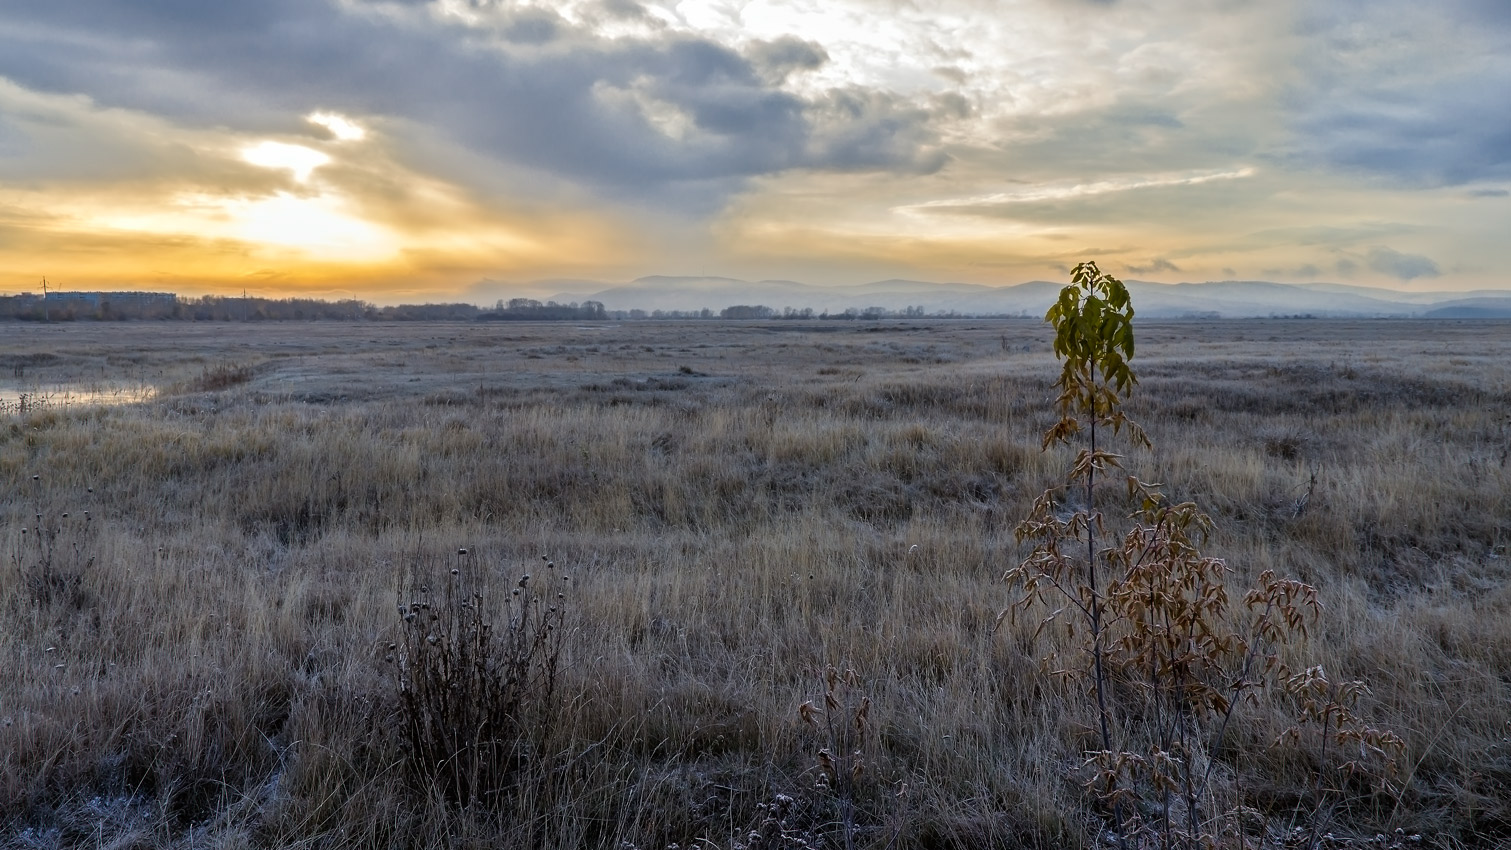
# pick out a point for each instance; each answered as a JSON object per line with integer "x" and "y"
{"x": 1135, "y": 134}
{"x": 531, "y": 90}
{"x": 1156, "y": 266}
{"x": 533, "y": 26}
{"x": 1305, "y": 271}
{"x": 856, "y": 130}
{"x": 1402, "y": 266}
{"x": 1403, "y": 90}
{"x": 784, "y": 56}
{"x": 1320, "y": 235}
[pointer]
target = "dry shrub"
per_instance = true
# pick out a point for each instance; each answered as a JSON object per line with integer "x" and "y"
{"x": 477, "y": 681}
{"x": 221, "y": 376}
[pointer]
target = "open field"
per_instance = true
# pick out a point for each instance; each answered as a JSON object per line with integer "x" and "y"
{"x": 199, "y": 591}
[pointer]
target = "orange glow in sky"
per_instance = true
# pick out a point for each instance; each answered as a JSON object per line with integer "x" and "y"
{"x": 460, "y": 150}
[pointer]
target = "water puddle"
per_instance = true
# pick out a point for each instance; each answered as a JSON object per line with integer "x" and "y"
{"x": 24, "y": 399}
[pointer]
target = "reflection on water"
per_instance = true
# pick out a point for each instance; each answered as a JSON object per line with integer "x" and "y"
{"x": 21, "y": 399}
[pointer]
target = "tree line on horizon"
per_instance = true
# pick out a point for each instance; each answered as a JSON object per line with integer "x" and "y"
{"x": 138, "y": 306}
{"x": 131, "y": 306}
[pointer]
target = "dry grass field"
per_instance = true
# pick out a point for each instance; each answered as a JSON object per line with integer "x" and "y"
{"x": 203, "y": 595}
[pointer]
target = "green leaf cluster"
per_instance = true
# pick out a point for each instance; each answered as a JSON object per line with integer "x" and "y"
{"x": 1093, "y": 322}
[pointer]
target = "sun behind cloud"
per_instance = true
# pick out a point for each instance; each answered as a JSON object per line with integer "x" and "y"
{"x": 343, "y": 128}
{"x": 296, "y": 159}
{"x": 286, "y": 214}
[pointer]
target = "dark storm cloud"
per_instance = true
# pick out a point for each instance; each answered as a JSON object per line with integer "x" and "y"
{"x": 528, "y": 88}
{"x": 1408, "y": 91}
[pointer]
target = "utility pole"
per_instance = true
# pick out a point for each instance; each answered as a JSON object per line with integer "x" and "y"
{"x": 46, "y": 314}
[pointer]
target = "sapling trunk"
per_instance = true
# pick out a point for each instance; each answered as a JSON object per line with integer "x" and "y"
{"x": 1099, "y": 672}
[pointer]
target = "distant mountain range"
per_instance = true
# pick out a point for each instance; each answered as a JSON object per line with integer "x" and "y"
{"x": 1223, "y": 299}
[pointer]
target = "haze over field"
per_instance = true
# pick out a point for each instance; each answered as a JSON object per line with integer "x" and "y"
{"x": 404, "y": 151}
{"x": 1234, "y": 299}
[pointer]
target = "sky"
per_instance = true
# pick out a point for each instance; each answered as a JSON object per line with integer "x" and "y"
{"x": 396, "y": 150}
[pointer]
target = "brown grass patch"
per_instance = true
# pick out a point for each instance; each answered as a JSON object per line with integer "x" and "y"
{"x": 203, "y": 660}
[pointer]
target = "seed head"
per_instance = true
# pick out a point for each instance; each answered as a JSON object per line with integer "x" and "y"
{"x": 826, "y": 761}
{"x": 809, "y": 712}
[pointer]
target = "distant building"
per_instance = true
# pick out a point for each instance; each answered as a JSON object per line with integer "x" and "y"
{"x": 108, "y": 305}
{"x": 68, "y": 299}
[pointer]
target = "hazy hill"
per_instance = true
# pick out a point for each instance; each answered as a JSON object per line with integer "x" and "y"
{"x": 1226, "y": 299}
{"x": 1472, "y": 308}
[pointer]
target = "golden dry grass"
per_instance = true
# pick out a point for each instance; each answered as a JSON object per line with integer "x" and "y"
{"x": 200, "y": 661}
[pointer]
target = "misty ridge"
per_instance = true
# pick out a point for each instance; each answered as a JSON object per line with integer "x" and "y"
{"x": 694, "y": 297}
{"x": 895, "y": 297}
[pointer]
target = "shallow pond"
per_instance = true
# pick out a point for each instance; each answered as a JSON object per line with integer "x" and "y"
{"x": 21, "y": 399}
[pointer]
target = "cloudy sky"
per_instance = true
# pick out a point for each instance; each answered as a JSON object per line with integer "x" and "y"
{"x": 391, "y": 149}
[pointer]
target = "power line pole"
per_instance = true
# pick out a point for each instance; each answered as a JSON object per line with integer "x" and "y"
{"x": 46, "y": 314}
